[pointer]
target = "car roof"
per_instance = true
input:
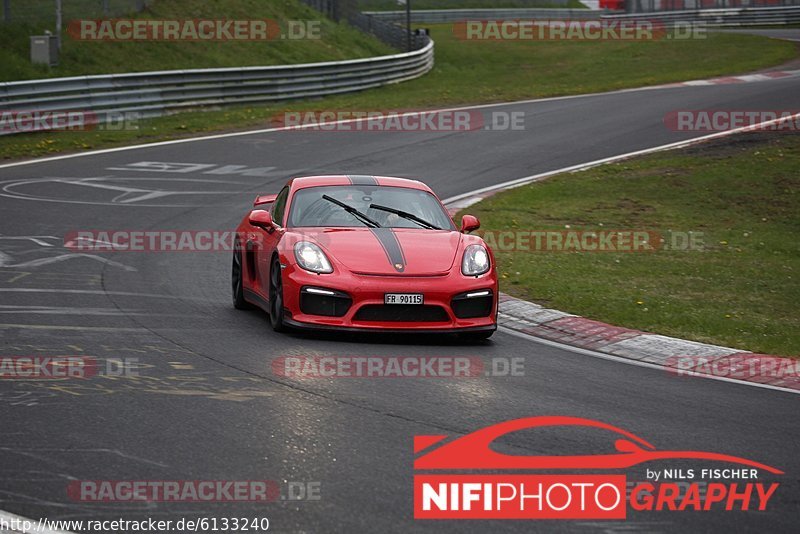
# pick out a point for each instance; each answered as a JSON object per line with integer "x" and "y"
{"x": 302, "y": 182}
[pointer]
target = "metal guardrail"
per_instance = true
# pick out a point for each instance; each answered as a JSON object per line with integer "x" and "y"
{"x": 388, "y": 31}
{"x": 43, "y": 12}
{"x": 155, "y": 93}
{"x": 728, "y": 17}
{"x": 384, "y": 29}
{"x": 434, "y": 16}
{"x": 655, "y": 6}
{"x": 722, "y": 18}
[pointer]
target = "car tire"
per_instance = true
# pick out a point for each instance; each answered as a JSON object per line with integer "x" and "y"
{"x": 276, "y": 313}
{"x": 237, "y": 279}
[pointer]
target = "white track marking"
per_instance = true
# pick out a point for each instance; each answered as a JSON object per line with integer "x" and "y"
{"x": 70, "y": 327}
{"x": 284, "y": 128}
{"x": 583, "y": 166}
{"x": 119, "y": 200}
{"x": 71, "y": 310}
{"x": 627, "y": 361}
{"x": 95, "y": 292}
{"x": 38, "y": 239}
{"x": 63, "y": 257}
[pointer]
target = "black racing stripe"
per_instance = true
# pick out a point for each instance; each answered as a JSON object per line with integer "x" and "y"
{"x": 359, "y": 179}
{"x": 387, "y": 239}
{"x": 391, "y": 246}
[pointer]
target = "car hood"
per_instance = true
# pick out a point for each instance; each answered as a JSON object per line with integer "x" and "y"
{"x": 390, "y": 251}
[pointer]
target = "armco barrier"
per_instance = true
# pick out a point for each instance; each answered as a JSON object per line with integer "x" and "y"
{"x": 722, "y": 18}
{"x": 156, "y": 93}
{"x": 435, "y": 16}
{"x": 727, "y": 17}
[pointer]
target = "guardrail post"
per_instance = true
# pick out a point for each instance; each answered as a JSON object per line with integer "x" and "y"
{"x": 408, "y": 25}
{"x": 58, "y": 24}
{"x": 6, "y": 10}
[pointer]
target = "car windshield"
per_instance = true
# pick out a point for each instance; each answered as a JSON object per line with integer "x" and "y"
{"x": 309, "y": 208}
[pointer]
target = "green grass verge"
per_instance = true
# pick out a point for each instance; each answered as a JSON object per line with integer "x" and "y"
{"x": 465, "y": 73}
{"x": 102, "y": 57}
{"x": 742, "y": 290}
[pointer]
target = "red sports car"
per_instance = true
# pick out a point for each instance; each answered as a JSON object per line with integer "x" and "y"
{"x": 364, "y": 253}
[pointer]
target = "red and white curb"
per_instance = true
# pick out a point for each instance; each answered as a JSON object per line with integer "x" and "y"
{"x": 688, "y": 358}
{"x": 648, "y": 349}
{"x": 745, "y": 78}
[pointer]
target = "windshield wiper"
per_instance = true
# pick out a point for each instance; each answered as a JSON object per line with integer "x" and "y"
{"x": 406, "y": 215}
{"x": 354, "y": 212}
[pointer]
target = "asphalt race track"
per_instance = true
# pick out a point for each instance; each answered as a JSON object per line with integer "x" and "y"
{"x": 206, "y": 404}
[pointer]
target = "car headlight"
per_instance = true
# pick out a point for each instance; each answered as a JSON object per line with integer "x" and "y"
{"x": 476, "y": 260}
{"x": 311, "y": 258}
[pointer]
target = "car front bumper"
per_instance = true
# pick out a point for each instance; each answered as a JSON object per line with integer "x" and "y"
{"x": 366, "y": 309}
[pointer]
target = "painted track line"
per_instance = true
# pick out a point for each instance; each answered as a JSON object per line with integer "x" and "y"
{"x": 96, "y": 292}
{"x": 348, "y": 121}
{"x": 611, "y": 159}
{"x": 637, "y": 363}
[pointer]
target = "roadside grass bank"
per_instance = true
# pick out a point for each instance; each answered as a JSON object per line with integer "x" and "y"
{"x": 336, "y": 42}
{"x": 739, "y": 287}
{"x": 466, "y": 72}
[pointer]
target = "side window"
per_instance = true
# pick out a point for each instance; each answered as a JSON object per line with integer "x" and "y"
{"x": 280, "y": 206}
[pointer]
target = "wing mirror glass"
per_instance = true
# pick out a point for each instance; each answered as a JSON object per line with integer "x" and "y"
{"x": 261, "y": 219}
{"x": 469, "y": 223}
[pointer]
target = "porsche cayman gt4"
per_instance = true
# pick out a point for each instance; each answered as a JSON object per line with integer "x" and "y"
{"x": 364, "y": 253}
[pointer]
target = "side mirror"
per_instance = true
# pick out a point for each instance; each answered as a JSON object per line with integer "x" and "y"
{"x": 469, "y": 223}
{"x": 261, "y": 219}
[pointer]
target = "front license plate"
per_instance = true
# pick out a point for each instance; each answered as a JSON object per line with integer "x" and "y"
{"x": 402, "y": 298}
